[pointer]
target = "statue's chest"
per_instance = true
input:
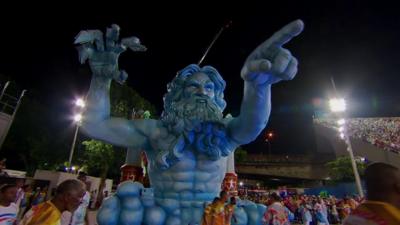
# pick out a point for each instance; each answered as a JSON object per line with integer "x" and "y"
{"x": 192, "y": 160}
{"x": 188, "y": 147}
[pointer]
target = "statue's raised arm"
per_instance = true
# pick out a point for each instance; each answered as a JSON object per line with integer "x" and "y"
{"x": 268, "y": 64}
{"x": 103, "y": 61}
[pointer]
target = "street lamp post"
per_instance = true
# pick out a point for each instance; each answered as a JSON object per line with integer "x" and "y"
{"x": 338, "y": 106}
{"x": 71, "y": 152}
{"x": 77, "y": 119}
{"x": 268, "y": 140}
{"x": 269, "y": 147}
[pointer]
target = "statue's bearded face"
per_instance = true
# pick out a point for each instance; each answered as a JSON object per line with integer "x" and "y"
{"x": 199, "y": 84}
{"x": 197, "y": 103}
{"x": 193, "y": 119}
{"x": 198, "y": 100}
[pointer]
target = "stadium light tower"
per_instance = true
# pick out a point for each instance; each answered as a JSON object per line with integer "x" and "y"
{"x": 338, "y": 107}
{"x": 77, "y": 119}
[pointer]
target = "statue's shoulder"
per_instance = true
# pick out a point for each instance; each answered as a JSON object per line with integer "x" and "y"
{"x": 147, "y": 126}
{"x": 225, "y": 121}
{"x": 153, "y": 128}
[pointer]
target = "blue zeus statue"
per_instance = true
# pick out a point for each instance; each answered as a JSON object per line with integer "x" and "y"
{"x": 187, "y": 148}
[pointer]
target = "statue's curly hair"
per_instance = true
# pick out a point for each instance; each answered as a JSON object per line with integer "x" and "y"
{"x": 176, "y": 87}
{"x": 209, "y": 138}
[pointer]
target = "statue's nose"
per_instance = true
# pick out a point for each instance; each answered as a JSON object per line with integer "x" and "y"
{"x": 201, "y": 91}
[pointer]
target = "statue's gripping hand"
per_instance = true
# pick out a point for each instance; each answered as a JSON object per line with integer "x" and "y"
{"x": 103, "y": 57}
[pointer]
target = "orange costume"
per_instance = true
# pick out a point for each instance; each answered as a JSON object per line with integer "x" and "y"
{"x": 218, "y": 214}
{"x": 206, "y": 220}
{"x": 45, "y": 213}
{"x": 374, "y": 213}
{"x": 214, "y": 214}
{"x": 229, "y": 210}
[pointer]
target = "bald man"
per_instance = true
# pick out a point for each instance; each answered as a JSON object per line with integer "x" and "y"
{"x": 383, "y": 197}
{"x": 68, "y": 197}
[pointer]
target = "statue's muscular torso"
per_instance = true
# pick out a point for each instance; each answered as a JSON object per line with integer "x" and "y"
{"x": 182, "y": 189}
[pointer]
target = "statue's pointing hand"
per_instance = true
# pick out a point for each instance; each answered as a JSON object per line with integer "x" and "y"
{"x": 270, "y": 63}
{"x": 103, "y": 58}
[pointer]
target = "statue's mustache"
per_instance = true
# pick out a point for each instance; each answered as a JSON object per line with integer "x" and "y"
{"x": 187, "y": 113}
{"x": 201, "y": 108}
{"x": 198, "y": 103}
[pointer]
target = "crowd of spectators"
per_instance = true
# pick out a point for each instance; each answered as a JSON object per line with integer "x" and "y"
{"x": 306, "y": 209}
{"x": 384, "y": 133}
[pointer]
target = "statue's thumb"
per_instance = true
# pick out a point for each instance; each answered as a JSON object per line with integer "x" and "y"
{"x": 254, "y": 67}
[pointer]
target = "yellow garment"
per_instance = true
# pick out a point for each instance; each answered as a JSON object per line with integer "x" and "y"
{"x": 45, "y": 213}
{"x": 346, "y": 210}
{"x": 353, "y": 204}
{"x": 214, "y": 214}
{"x": 218, "y": 214}
{"x": 207, "y": 217}
{"x": 229, "y": 210}
{"x": 374, "y": 213}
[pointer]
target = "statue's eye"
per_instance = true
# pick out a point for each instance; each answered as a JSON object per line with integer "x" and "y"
{"x": 209, "y": 87}
{"x": 192, "y": 85}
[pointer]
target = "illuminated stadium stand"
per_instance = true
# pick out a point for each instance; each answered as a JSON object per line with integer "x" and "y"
{"x": 376, "y": 139}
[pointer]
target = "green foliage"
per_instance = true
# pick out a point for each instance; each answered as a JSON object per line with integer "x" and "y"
{"x": 114, "y": 171}
{"x": 124, "y": 99}
{"x": 342, "y": 170}
{"x": 240, "y": 155}
{"x": 99, "y": 156}
{"x": 323, "y": 194}
{"x": 146, "y": 114}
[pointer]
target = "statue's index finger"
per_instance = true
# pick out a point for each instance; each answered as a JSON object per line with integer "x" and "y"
{"x": 286, "y": 34}
{"x": 112, "y": 36}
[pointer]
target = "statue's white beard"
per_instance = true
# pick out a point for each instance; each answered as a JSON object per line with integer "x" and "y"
{"x": 194, "y": 122}
{"x": 187, "y": 113}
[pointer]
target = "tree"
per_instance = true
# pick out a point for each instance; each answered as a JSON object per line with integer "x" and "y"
{"x": 240, "y": 155}
{"x": 31, "y": 141}
{"x": 341, "y": 170}
{"x": 123, "y": 99}
{"x": 99, "y": 158}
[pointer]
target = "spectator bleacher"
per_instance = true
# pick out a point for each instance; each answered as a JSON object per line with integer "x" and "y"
{"x": 384, "y": 133}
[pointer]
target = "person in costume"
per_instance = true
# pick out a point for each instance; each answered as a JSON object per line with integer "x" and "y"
{"x": 382, "y": 206}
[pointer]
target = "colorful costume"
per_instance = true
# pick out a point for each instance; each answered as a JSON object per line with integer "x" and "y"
{"x": 218, "y": 214}
{"x": 206, "y": 220}
{"x": 374, "y": 213}
{"x": 276, "y": 215}
{"x": 45, "y": 213}
{"x": 229, "y": 210}
{"x": 8, "y": 214}
{"x": 214, "y": 214}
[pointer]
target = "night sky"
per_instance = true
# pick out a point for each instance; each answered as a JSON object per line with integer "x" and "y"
{"x": 356, "y": 43}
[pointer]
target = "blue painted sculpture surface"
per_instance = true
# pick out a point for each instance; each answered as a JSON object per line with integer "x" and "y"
{"x": 188, "y": 147}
